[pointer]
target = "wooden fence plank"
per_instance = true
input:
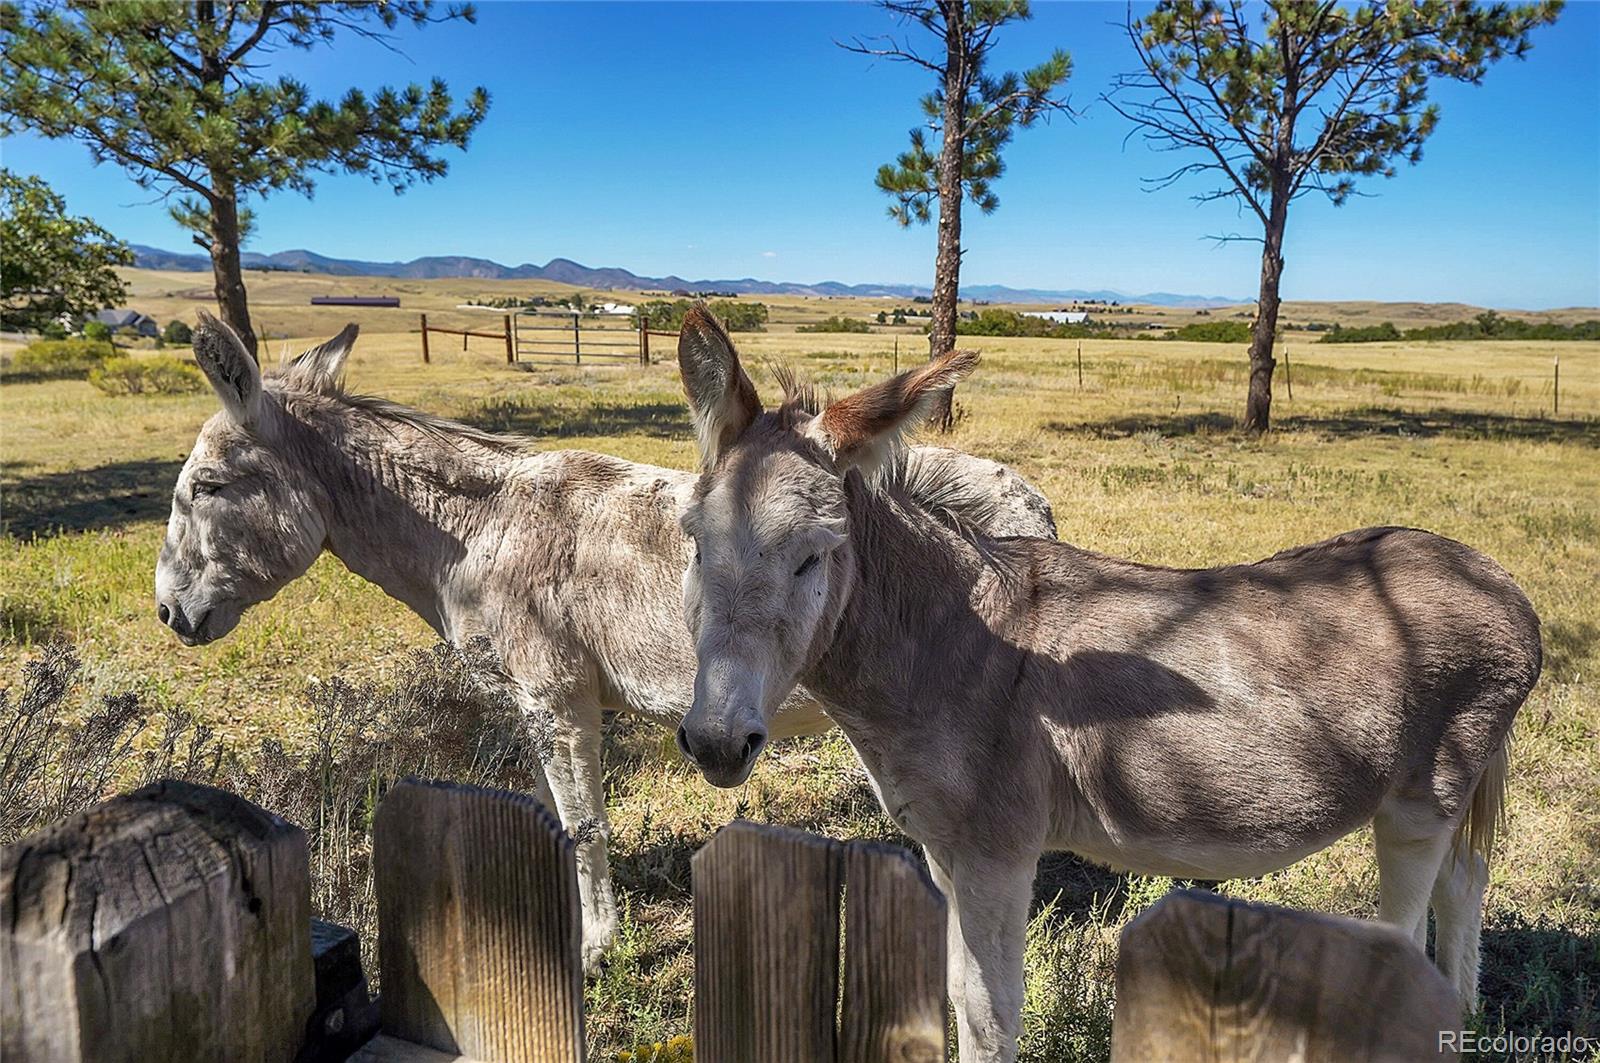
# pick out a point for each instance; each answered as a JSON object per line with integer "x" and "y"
{"x": 479, "y": 933}
{"x": 766, "y": 946}
{"x": 894, "y": 964}
{"x": 1203, "y": 977}
{"x": 171, "y": 923}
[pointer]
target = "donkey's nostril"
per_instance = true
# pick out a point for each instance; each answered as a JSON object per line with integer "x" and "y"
{"x": 753, "y": 744}
{"x": 683, "y": 744}
{"x": 163, "y": 612}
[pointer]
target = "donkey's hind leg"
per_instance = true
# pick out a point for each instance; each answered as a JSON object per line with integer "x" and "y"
{"x": 1458, "y": 913}
{"x": 1410, "y": 849}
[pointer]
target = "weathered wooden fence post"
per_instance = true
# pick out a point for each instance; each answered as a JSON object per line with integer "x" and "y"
{"x": 1205, "y": 977}
{"x": 170, "y": 924}
{"x": 479, "y": 934}
{"x": 894, "y": 964}
{"x": 767, "y": 945}
{"x": 425, "y": 358}
{"x": 511, "y": 351}
{"x": 644, "y": 340}
{"x": 577, "y": 351}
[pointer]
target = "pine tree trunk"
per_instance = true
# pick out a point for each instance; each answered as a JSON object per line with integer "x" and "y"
{"x": 952, "y": 156}
{"x": 1258, "y": 406}
{"x": 227, "y": 274}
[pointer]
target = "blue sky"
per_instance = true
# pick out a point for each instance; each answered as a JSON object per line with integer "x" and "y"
{"x": 735, "y": 139}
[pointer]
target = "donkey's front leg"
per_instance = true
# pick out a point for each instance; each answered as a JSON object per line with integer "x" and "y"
{"x": 573, "y": 772}
{"x": 989, "y": 910}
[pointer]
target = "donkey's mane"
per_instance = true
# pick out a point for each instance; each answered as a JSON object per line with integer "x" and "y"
{"x": 290, "y": 384}
{"x": 929, "y": 482}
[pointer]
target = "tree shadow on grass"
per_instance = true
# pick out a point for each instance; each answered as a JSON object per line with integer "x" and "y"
{"x": 657, "y": 420}
{"x": 1567, "y": 644}
{"x": 106, "y": 496}
{"x": 1359, "y": 422}
{"x": 1539, "y": 977}
{"x": 1077, "y": 887}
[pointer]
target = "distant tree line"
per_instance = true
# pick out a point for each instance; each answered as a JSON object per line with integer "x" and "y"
{"x": 1212, "y": 332}
{"x": 1486, "y": 326}
{"x": 736, "y": 315}
{"x": 842, "y": 324}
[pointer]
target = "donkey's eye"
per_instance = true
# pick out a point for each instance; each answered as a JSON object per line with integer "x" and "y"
{"x": 206, "y": 487}
{"x": 806, "y": 566}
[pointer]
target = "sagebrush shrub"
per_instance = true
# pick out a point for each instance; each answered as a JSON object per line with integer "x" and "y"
{"x": 444, "y": 716}
{"x": 160, "y": 375}
{"x": 59, "y": 359}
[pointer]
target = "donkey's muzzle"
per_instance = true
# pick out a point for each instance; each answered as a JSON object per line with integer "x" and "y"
{"x": 173, "y": 616}
{"x": 724, "y": 758}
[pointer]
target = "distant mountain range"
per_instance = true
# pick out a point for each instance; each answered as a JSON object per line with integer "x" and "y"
{"x": 566, "y": 271}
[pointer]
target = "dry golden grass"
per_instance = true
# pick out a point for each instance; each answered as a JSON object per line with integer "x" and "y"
{"x": 1143, "y": 461}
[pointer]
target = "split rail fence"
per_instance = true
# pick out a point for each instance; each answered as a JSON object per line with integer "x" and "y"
{"x": 174, "y": 923}
{"x": 558, "y": 338}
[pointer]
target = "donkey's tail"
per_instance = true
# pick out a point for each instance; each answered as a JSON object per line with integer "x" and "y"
{"x": 1487, "y": 812}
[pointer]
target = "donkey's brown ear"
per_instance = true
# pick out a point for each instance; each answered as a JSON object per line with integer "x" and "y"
{"x": 862, "y": 430}
{"x": 322, "y": 367}
{"x": 721, "y": 397}
{"x": 233, "y": 372}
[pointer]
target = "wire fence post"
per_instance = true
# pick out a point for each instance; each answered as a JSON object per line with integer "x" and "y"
{"x": 577, "y": 350}
{"x": 1556, "y": 403}
{"x": 425, "y": 358}
{"x": 1080, "y": 365}
{"x": 1288, "y": 373}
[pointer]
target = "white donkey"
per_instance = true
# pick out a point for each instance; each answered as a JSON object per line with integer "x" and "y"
{"x": 567, "y": 561}
{"x": 1013, "y": 696}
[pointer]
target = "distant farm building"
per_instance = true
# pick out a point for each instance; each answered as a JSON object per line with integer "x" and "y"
{"x": 1060, "y": 317}
{"x": 613, "y": 308}
{"x": 355, "y": 300}
{"x": 127, "y": 321}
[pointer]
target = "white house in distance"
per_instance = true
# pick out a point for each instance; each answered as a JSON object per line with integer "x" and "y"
{"x": 1060, "y": 317}
{"x": 622, "y": 309}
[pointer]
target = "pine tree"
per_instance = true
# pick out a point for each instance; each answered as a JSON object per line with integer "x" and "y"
{"x": 972, "y": 116}
{"x": 175, "y": 93}
{"x": 1307, "y": 97}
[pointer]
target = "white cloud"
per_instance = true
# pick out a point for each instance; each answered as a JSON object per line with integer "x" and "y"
{"x": 769, "y": 254}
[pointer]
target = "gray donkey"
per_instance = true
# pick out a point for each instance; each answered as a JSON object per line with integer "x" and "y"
{"x": 568, "y": 562}
{"x": 1011, "y": 696}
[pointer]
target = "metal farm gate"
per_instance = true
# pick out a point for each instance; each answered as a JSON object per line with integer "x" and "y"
{"x": 568, "y": 336}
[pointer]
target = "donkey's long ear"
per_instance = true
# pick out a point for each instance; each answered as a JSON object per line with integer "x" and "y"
{"x": 721, "y": 397}
{"x": 322, "y": 367}
{"x": 862, "y": 430}
{"x": 233, "y": 372}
